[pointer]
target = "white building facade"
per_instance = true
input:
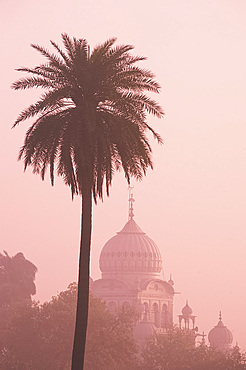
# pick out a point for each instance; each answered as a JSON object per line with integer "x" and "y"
{"x": 131, "y": 266}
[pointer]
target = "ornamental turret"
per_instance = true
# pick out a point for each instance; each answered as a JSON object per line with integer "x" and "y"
{"x": 187, "y": 320}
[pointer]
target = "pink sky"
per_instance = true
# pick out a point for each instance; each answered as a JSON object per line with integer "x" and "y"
{"x": 193, "y": 204}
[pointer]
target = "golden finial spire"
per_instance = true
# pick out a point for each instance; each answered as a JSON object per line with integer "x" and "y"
{"x": 131, "y": 201}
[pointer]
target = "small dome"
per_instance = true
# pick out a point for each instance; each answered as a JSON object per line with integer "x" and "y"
{"x": 187, "y": 311}
{"x": 130, "y": 250}
{"x": 220, "y": 336}
{"x": 143, "y": 330}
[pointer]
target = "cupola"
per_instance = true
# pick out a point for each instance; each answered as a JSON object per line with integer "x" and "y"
{"x": 220, "y": 336}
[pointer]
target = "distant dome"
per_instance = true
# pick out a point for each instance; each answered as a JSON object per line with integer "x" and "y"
{"x": 220, "y": 336}
{"x": 187, "y": 311}
{"x": 143, "y": 330}
{"x": 130, "y": 250}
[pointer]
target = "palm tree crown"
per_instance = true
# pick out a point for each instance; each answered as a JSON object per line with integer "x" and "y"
{"x": 91, "y": 119}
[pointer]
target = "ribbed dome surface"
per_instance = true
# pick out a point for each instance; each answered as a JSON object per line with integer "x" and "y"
{"x": 130, "y": 250}
{"x": 220, "y": 335}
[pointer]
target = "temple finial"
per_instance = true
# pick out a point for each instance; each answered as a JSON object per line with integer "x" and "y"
{"x": 203, "y": 338}
{"x": 170, "y": 281}
{"x": 220, "y": 317}
{"x": 131, "y": 201}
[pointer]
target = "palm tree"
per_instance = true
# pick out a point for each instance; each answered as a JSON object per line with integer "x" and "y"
{"x": 89, "y": 123}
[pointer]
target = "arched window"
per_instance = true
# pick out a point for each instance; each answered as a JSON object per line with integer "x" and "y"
{"x": 112, "y": 306}
{"x": 146, "y": 313}
{"x": 112, "y": 264}
{"x": 164, "y": 316}
{"x": 125, "y": 265}
{"x": 139, "y": 265}
{"x": 126, "y": 304}
{"x": 145, "y": 265}
{"x": 164, "y": 307}
{"x": 156, "y": 315}
{"x": 146, "y": 306}
{"x": 132, "y": 264}
{"x": 155, "y": 307}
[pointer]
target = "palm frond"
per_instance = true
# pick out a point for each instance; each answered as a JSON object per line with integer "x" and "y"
{"x": 69, "y": 45}
{"x": 54, "y": 60}
{"x": 60, "y": 51}
{"x": 101, "y": 50}
{"x": 43, "y": 70}
{"x": 148, "y": 104}
{"x": 49, "y": 102}
{"x": 30, "y": 83}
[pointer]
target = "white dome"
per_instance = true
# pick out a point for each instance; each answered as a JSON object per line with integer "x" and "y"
{"x": 130, "y": 250}
{"x": 220, "y": 336}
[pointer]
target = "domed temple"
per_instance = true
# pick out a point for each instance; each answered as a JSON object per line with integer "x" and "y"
{"x": 131, "y": 266}
{"x": 220, "y": 337}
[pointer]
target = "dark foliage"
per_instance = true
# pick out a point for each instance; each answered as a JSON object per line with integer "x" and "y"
{"x": 17, "y": 276}
{"x": 39, "y": 337}
{"x": 176, "y": 351}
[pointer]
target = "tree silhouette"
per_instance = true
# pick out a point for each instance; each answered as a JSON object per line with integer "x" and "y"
{"x": 176, "y": 350}
{"x": 17, "y": 276}
{"x": 40, "y": 336}
{"x": 89, "y": 123}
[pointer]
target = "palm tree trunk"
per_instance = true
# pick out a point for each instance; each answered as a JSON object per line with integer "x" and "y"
{"x": 83, "y": 281}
